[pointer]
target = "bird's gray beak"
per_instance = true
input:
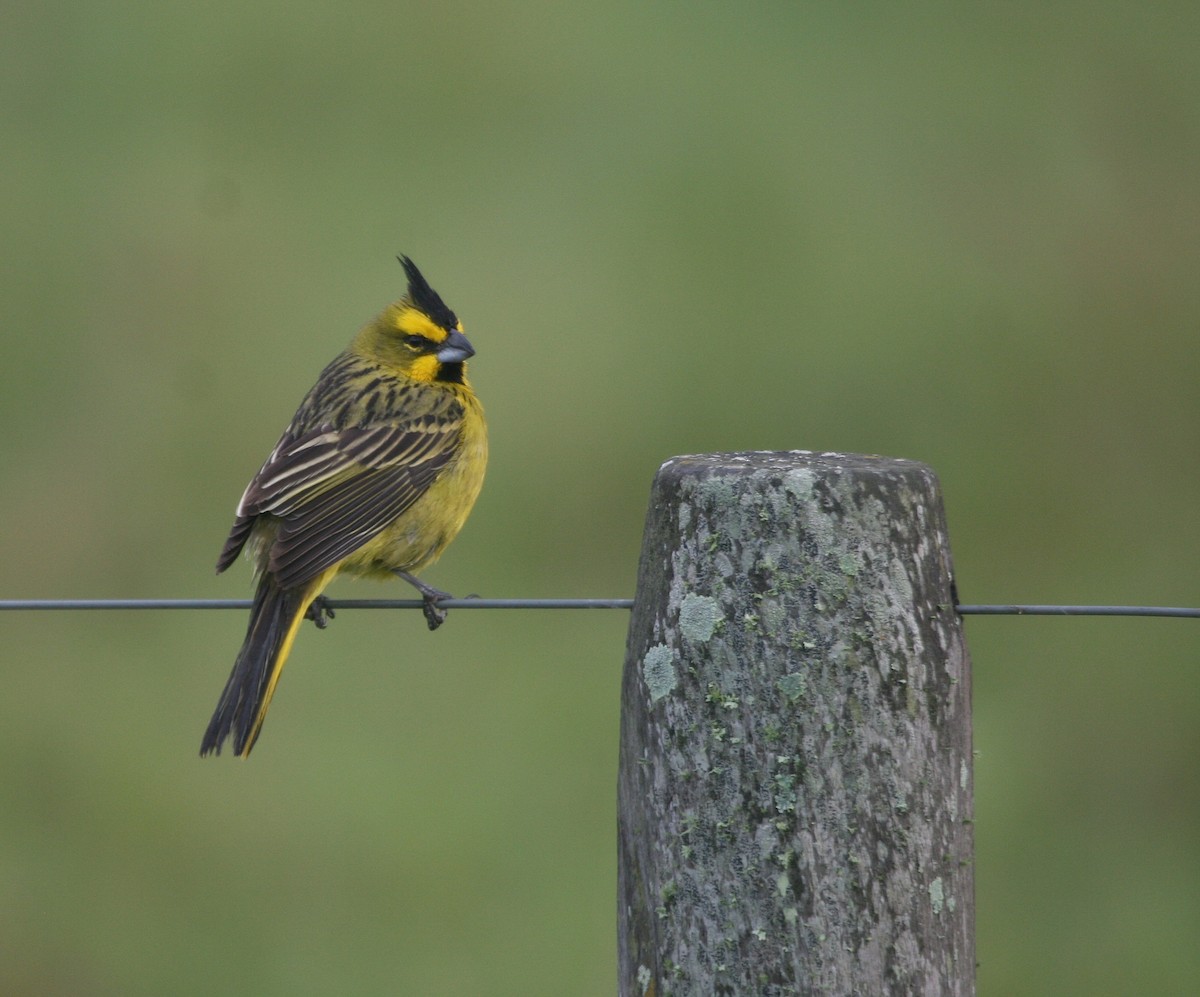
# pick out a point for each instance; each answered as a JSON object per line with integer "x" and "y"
{"x": 455, "y": 349}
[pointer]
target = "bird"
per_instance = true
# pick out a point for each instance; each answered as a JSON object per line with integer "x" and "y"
{"x": 373, "y": 477}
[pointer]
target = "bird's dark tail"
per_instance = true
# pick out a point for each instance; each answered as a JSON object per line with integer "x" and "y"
{"x": 274, "y": 620}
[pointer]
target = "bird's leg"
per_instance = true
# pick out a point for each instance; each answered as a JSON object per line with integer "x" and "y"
{"x": 320, "y": 612}
{"x": 434, "y": 615}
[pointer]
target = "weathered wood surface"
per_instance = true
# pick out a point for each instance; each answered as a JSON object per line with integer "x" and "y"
{"x": 795, "y": 797}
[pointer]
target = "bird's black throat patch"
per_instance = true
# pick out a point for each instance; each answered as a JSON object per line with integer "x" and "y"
{"x": 450, "y": 373}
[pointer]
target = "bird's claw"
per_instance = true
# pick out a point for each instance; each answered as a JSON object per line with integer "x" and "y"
{"x": 320, "y": 612}
{"x": 435, "y": 616}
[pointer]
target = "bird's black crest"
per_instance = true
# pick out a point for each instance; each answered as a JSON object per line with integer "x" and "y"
{"x": 425, "y": 297}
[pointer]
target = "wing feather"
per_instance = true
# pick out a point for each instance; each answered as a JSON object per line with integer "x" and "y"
{"x": 332, "y": 490}
{"x": 332, "y": 529}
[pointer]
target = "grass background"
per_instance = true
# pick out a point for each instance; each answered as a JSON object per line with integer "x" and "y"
{"x": 963, "y": 234}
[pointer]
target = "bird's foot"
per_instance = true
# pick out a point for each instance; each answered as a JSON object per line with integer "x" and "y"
{"x": 435, "y": 616}
{"x": 320, "y": 612}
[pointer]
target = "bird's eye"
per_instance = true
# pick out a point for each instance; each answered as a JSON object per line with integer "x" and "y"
{"x": 416, "y": 342}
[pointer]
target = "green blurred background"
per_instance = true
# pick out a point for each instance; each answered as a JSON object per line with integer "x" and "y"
{"x": 966, "y": 234}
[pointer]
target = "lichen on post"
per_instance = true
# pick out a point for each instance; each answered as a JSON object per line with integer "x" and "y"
{"x": 795, "y": 798}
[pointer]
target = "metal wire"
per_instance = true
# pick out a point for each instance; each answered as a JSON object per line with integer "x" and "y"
{"x": 468, "y": 603}
{"x": 1077, "y": 611}
{"x": 474, "y": 603}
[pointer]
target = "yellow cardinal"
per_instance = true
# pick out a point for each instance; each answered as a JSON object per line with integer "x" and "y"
{"x": 375, "y": 475}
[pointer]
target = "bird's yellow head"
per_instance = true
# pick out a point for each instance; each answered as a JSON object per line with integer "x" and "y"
{"x": 418, "y": 335}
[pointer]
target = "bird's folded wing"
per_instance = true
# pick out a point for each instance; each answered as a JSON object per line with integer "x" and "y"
{"x": 333, "y": 490}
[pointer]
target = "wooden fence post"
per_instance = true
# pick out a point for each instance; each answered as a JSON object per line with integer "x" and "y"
{"x": 795, "y": 795}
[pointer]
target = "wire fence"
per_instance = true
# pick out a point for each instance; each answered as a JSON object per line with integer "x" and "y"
{"x": 479, "y": 603}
